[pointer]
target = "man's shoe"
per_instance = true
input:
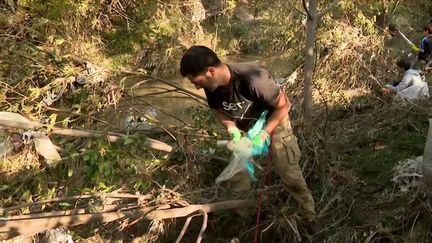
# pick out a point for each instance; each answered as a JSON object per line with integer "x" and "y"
{"x": 313, "y": 226}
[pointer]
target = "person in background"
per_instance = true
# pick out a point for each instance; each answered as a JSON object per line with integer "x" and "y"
{"x": 411, "y": 86}
{"x": 425, "y": 53}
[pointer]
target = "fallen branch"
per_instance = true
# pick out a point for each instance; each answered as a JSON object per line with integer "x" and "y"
{"x": 14, "y": 226}
{"x": 203, "y": 227}
{"x": 112, "y": 137}
{"x": 186, "y": 225}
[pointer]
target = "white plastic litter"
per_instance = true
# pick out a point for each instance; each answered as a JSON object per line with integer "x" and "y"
{"x": 58, "y": 235}
{"x": 242, "y": 152}
{"x": 141, "y": 122}
{"x": 5, "y": 146}
{"x": 408, "y": 174}
{"x": 51, "y": 96}
{"x": 43, "y": 145}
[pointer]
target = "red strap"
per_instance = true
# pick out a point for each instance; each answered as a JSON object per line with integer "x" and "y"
{"x": 261, "y": 194}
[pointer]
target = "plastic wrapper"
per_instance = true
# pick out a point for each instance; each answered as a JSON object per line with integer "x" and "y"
{"x": 243, "y": 151}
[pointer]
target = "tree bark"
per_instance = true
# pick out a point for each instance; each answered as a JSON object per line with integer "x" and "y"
{"x": 312, "y": 21}
{"x": 313, "y": 18}
{"x": 427, "y": 164}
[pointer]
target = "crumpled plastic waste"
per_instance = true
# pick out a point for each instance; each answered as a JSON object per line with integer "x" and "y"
{"x": 92, "y": 74}
{"x": 141, "y": 122}
{"x": 254, "y": 131}
{"x": 51, "y": 96}
{"x": 243, "y": 150}
{"x": 408, "y": 174}
{"x": 240, "y": 159}
{"x": 58, "y": 235}
{"x": 43, "y": 145}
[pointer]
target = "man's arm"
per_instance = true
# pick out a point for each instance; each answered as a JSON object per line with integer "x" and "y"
{"x": 405, "y": 82}
{"x": 223, "y": 118}
{"x": 281, "y": 109}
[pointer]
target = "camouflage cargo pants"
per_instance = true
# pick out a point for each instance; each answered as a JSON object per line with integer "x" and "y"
{"x": 286, "y": 155}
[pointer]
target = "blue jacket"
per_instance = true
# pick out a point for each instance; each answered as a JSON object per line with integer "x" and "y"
{"x": 426, "y": 49}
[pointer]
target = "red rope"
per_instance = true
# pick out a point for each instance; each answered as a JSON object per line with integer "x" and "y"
{"x": 260, "y": 196}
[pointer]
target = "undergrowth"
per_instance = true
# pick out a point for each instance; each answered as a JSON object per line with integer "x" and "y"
{"x": 349, "y": 149}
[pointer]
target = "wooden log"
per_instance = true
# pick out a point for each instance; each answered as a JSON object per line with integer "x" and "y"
{"x": 17, "y": 225}
{"x": 112, "y": 137}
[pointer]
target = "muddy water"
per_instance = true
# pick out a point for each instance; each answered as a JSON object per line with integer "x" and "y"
{"x": 162, "y": 102}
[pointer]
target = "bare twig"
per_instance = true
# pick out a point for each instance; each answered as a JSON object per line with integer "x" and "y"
{"x": 294, "y": 228}
{"x": 163, "y": 111}
{"x": 337, "y": 222}
{"x": 170, "y": 83}
{"x": 204, "y": 225}
{"x": 56, "y": 110}
{"x": 328, "y": 8}
{"x": 185, "y": 227}
{"x": 305, "y": 7}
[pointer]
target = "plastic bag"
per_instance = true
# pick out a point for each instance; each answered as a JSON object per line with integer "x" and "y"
{"x": 240, "y": 159}
{"x": 243, "y": 151}
{"x": 427, "y": 163}
{"x": 255, "y": 130}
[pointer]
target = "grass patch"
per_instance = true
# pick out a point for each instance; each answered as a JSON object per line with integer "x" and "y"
{"x": 375, "y": 165}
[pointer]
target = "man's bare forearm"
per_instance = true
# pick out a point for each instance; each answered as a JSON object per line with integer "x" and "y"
{"x": 281, "y": 109}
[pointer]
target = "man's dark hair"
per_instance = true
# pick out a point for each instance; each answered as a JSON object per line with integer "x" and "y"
{"x": 403, "y": 63}
{"x": 197, "y": 59}
{"x": 428, "y": 28}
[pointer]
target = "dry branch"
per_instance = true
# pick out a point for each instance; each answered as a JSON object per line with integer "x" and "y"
{"x": 16, "y": 225}
{"x": 112, "y": 137}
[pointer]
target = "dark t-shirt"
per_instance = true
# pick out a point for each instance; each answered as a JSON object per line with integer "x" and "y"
{"x": 251, "y": 91}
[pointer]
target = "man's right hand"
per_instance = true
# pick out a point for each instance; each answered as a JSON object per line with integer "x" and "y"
{"x": 235, "y": 133}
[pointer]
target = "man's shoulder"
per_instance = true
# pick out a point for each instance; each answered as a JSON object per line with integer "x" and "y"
{"x": 249, "y": 70}
{"x": 246, "y": 67}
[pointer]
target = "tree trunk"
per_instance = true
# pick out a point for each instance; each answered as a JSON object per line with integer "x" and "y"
{"x": 427, "y": 164}
{"x": 313, "y": 17}
{"x": 312, "y": 22}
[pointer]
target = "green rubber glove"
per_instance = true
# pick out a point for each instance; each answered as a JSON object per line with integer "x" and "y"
{"x": 235, "y": 133}
{"x": 259, "y": 139}
{"x": 414, "y": 48}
